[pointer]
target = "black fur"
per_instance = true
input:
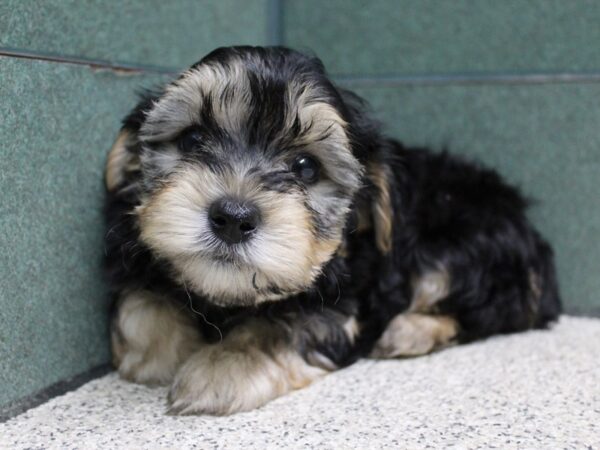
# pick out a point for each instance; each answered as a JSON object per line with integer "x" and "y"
{"x": 447, "y": 211}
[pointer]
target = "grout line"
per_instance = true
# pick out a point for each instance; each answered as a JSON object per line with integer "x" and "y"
{"x": 92, "y": 63}
{"x": 467, "y": 79}
{"x": 275, "y": 33}
{"x": 17, "y": 407}
{"x": 275, "y": 36}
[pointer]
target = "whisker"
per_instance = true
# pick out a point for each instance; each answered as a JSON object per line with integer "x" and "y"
{"x": 337, "y": 283}
{"x": 322, "y": 300}
{"x": 200, "y": 314}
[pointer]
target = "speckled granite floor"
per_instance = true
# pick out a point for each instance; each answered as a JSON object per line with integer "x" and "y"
{"x": 534, "y": 390}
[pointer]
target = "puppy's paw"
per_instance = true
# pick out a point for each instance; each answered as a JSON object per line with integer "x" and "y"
{"x": 414, "y": 334}
{"x": 218, "y": 381}
{"x": 150, "y": 339}
{"x": 221, "y": 381}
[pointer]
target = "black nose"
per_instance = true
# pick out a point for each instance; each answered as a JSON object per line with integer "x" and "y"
{"x": 233, "y": 221}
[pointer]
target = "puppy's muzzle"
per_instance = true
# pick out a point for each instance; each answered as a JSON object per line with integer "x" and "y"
{"x": 233, "y": 221}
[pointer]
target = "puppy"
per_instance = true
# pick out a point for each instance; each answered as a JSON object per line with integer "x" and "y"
{"x": 262, "y": 232}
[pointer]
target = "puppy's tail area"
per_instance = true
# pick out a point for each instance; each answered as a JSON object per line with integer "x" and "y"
{"x": 549, "y": 304}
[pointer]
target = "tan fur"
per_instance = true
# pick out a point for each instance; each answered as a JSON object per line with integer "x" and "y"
{"x": 322, "y": 250}
{"x": 363, "y": 219}
{"x": 250, "y": 367}
{"x": 413, "y": 334}
{"x": 284, "y": 252}
{"x": 119, "y": 161}
{"x": 352, "y": 329}
{"x": 182, "y": 102}
{"x": 151, "y": 338}
{"x": 343, "y": 251}
{"x": 334, "y": 151}
{"x": 535, "y": 285}
{"x": 285, "y": 255}
{"x": 428, "y": 290}
{"x": 381, "y": 208}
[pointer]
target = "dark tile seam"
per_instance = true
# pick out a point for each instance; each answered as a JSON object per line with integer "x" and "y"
{"x": 98, "y": 64}
{"x": 374, "y": 81}
{"x": 468, "y": 79}
{"x": 275, "y": 23}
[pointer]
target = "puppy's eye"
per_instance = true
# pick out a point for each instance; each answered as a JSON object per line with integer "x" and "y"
{"x": 189, "y": 140}
{"x": 306, "y": 168}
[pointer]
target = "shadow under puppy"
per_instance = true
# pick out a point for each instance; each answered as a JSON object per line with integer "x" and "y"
{"x": 262, "y": 232}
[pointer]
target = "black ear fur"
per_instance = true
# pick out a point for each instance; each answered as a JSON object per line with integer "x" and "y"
{"x": 367, "y": 145}
{"x": 363, "y": 130}
{"x": 123, "y": 159}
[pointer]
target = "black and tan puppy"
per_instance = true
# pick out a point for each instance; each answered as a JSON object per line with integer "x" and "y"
{"x": 262, "y": 232}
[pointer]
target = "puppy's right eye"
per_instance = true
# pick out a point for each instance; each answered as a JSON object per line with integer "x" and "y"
{"x": 189, "y": 140}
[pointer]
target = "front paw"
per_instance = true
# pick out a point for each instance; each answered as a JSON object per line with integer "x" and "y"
{"x": 150, "y": 339}
{"x": 221, "y": 381}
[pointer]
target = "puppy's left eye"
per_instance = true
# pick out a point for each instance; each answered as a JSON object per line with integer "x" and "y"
{"x": 306, "y": 168}
{"x": 189, "y": 140}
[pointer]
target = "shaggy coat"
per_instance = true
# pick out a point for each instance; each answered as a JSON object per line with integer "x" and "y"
{"x": 346, "y": 244}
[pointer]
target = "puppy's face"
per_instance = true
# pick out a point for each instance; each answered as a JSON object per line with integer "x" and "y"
{"x": 247, "y": 177}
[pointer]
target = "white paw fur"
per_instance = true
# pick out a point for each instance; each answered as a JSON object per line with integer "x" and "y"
{"x": 413, "y": 334}
{"x": 223, "y": 378}
{"x": 151, "y": 338}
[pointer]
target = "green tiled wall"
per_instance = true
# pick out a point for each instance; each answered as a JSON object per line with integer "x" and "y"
{"x": 57, "y": 121}
{"x": 420, "y": 36}
{"x": 173, "y": 33}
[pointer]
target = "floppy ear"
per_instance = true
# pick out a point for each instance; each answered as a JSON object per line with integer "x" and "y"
{"x": 122, "y": 161}
{"x": 377, "y": 209}
{"x": 382, "y": 211}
